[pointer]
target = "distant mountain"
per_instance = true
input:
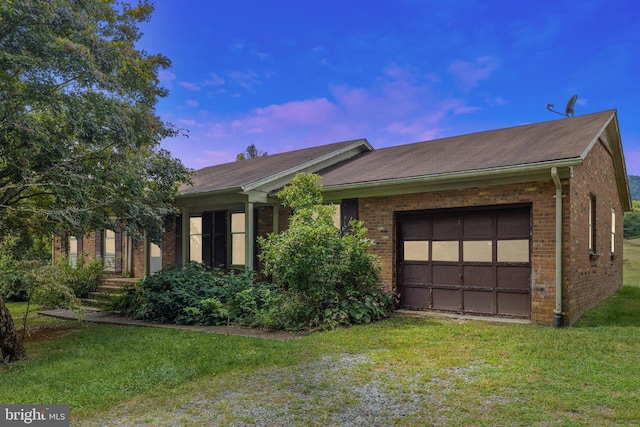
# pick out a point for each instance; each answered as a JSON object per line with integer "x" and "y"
{"x": 634, "y": 187}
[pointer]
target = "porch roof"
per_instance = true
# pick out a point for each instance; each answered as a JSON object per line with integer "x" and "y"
{"x": 250, "y": 174}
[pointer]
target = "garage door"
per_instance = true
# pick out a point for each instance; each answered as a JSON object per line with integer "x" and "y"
{"x": 469, "y": 261}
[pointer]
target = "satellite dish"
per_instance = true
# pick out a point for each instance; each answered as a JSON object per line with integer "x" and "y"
{"x": 570, "y": 104}
{"x": 569, "y": 110}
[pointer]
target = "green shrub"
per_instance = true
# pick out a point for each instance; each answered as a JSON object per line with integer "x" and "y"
{"x": 63, "y": 284}
{"x": 329, "y": 275}
{"x": 198, "y": 295}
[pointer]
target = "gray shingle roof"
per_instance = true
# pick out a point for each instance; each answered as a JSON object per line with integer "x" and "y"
{"x": 246, "y": 172}
{"x": 521, "y": 145}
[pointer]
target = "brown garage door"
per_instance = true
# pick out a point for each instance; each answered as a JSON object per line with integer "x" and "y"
{"x": 466, "y": 261}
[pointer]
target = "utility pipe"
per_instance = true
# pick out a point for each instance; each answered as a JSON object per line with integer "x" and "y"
{"x": 557, "y": 320}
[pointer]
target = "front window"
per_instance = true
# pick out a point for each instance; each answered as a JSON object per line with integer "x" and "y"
{"x": 195, "y": 238}
{"x": 613, "y": 231}
{"x": 155, "y": 258}
{"x": 110, "y": 250}
{"x": 592, "y": 224}
{"x": 73, "y": 251}
{"x": 238, "y": 238}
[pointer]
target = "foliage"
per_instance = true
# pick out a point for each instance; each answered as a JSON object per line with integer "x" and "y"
{"x": 250, "y": 153}
{"x": 61, "y": 285}
{"x": 328, "y": 274}
{"x": 79, "y": 138}
{"x": 632, "y": 222}
{"x": 198, "y": 295}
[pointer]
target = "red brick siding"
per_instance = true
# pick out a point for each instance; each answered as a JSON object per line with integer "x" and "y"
{"x": 587, "y": 279}
{"x": 378, "y": 214}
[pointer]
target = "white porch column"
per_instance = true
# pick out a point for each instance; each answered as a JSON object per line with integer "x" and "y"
{"x": 186, "y": 240}
{"x": 249, "y": 235}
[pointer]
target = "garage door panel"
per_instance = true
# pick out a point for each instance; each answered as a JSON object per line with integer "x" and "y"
{"x": 446, "y": 227}
{"x": 478, "y": 225}
{"x": 514, "y": 277}
{"x": 446, "y": 299}
{"x": 414, "y": 297}
{"x": 478, "y": 302}
{"x": 513, "y": 223}
{"x": 478, "y": 275}
{"x": 416, "y": 228}
{"x": 446, "y": 275}
{"x": 514, "y": 304}
{"x": 415, "y": 274}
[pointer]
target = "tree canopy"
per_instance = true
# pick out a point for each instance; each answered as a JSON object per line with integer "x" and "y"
{"x": 250, "y": 153}
{"x": 79, "y": 136}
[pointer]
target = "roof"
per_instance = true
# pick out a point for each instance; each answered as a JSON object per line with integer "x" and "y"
{"x": 531, "y": 144}
{"x": 250, "y": 172}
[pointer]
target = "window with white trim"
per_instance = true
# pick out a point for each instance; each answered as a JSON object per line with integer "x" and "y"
{"x": 195, "y": 238}
{"x": 613, "y": 231}
{"x": 238, "y": 232}
{"x": 109, "y": 255}
{"x": 592, "y": 224}
{"x": 73, "y": 251}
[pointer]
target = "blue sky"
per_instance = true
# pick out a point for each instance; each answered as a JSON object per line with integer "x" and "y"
{"x": 285, "y": 75}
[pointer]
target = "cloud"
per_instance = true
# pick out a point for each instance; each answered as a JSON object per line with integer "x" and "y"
{"x": 191, "y": 86}
{"x": 245, "y": 79}
{"x": 166, "y": 77}
{"x": 192, "y": 103}
{"x": 400, "y": 106}
{"x": 216, "y": 80}
{"x": 469, "y": 74}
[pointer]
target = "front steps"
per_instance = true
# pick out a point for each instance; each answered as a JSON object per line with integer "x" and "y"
{"x": 108, "y": 288}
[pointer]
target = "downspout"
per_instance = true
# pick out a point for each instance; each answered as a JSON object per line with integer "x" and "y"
{"x": 557, "y": 320}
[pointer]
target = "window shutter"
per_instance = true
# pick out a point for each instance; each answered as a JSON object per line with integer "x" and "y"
{"x": 207, "y": 242}
{"x": 118, "y": 263}
{"x": 99, "y": 244}
{"x": 220, "y": 239}
{"x": 349, "y": 210}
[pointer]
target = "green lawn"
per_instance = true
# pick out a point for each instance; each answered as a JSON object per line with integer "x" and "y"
{"x": 399, "y": 371}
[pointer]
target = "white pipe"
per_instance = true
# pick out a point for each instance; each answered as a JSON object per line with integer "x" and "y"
{"x": 557, "y": 322}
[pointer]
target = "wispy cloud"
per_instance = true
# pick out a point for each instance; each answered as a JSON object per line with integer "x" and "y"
{"x": 166, "y": 77}
{"x": 245, "y": 79}
{"x": 469, "y": 74}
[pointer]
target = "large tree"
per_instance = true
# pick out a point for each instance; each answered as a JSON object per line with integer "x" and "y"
{"x": 79, "y": 135}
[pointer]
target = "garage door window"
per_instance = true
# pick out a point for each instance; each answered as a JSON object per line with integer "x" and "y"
{"x": 513, "y": 250}
{"x": 477, "y": 251}
{"x": 416, "y": 250}
{"x": 445, "y": 251}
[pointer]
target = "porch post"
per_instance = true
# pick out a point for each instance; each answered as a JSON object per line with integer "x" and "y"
{"x": 249, "y": 235}
{"x": 186, "y": 240}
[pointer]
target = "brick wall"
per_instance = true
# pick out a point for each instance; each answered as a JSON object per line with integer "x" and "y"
{"x": 590, "y": 278}
{"x": 378, "y": 214}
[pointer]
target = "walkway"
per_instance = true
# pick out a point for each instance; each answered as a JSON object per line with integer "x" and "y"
{"x": 112, "y": 319}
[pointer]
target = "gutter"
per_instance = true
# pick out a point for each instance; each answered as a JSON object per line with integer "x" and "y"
{"x": 557, "y": 320}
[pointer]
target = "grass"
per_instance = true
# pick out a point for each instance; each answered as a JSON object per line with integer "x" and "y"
{"x": 400, "y": 371}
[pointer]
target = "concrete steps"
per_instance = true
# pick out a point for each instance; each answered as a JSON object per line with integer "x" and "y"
{"x": 109, "y": 288}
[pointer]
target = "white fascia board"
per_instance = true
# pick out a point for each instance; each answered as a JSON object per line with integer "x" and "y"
{"x": 595, "y": 139}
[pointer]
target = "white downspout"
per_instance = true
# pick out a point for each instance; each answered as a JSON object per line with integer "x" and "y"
{"x": 557, "y": 321}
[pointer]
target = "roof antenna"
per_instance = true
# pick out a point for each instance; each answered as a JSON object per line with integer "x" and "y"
{"x": 568, "y": 112}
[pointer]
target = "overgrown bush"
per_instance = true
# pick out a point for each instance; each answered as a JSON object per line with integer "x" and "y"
{"x": 198, "y": 295}
{"x": 328, "y": 275}
{"x": 62, "y": 284}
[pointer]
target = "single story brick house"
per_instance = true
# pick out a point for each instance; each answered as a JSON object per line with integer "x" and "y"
{"x": 523, "y": 222}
